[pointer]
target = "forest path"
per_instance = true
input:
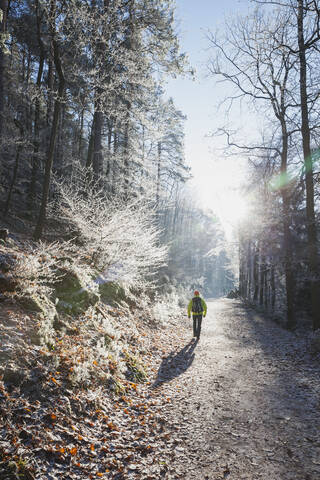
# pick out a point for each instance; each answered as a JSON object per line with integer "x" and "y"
{"x": 249, "y": 405}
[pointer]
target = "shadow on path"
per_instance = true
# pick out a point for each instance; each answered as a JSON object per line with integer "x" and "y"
{"x": 176, "y": 363}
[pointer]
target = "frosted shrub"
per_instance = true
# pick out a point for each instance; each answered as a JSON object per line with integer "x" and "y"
{"x": 165, "y": 307}
{"x": 120, "y": 237}
{"x": 36, "y": 267}
{"x": 183, "y": 294}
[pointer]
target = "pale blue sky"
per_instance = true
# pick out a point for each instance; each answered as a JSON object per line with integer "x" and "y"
{"x": 215, "y": 177}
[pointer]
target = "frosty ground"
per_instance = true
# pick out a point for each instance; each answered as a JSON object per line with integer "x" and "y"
{"x": 242, "y": 403}
{"x": 250, "y": 400}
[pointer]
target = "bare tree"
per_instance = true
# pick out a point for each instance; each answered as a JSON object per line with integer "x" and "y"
{"x": 305, "y": 44}
{"x": 250, "y": 58}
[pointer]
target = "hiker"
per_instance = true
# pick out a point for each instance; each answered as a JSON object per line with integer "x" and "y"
{"x": 197, "y": 306}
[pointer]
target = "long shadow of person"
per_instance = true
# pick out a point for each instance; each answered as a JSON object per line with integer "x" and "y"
{"x": 175, "y": 364}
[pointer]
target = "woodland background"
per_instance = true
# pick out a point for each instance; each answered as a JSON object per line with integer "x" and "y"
{"x": 88, "y": 134}
{"x": 92, "y": 150}
{"x": 102, "y": 242}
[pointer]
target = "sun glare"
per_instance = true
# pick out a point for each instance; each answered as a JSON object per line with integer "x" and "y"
{"x": 234, "y": 209}
{"x": 221, "y": 192}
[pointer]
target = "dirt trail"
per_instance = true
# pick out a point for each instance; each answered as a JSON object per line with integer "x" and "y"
{"x": 249, "y": 406}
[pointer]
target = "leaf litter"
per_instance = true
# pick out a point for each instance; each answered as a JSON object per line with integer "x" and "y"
{"x": 52, "y": 430}
{"x": 223, "y": 408}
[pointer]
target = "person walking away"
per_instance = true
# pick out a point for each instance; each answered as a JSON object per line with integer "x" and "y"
{"x": 198, "y": 307}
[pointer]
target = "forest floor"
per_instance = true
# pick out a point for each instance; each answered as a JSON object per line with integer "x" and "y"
{"x": 250, "y": 401}
{"x": 242, "y": 403}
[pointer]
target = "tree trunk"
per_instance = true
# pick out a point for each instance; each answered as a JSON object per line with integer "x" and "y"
{"x": 256, "y": 273}
{"x": 90, "y": 146}
{"x": 266, "y": 289}
{"x": 310, "y": 214}
{"x": 98, "y": 120}
{"x": 97, "y": 158}
{"x": 3, "y": 28}
{"x": 80, "y": 142}
{"x": 50, "y": 84}
{"x": 59, "y": 153}
{"x": 158, "y": 174}
{"x": 114, "y": 162}
{"x": 241, "y": 267}
{"x": 28, "y": 107}
{"x": 261, "y": 279}
{"x": 108, "y": 166}
{"x": 126, "y": 155}
{"x": 288, "y": 262}
{"x": 287, "y": 243}
{"x": 15, "y": 170}
{"x": 249, "y": 270}
{"x": 54, "y": 129}
{"x": 273, "y": 288}
{"x": 36, "y": 139}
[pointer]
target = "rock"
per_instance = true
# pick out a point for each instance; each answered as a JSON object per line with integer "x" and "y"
{"x": 113, "y": 294}
{"x": 13, "y": 375}
{"x": 4, "y": 232}
{"x": 6, "y": 262}
{"x": 35, "y": 303}
{"x": 48, "y": 314}
{"x": 65, "y": 327}
{"x": 7, "y": 283}
{"x": 71, "y": 293}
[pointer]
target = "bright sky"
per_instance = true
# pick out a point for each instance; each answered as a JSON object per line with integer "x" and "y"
{"x": 215, "y": 177}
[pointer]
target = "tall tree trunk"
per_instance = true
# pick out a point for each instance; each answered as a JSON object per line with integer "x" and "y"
{"x": 50, "y": 84}
{"x": 114, "y": 162}
{"x": 80, "y": 142}
{"x": 256, "y": 273}
{"x": 15, "y": 170}
{"x": 287, "y": 243}
{"x": 158, "y": 173}
{"x": 59, "y": 154}
{"x": 3, "y": 27}
{"x": 28, "y": 107}
{"x": 266, "y": 289}
{"x": 241, "y": 267}
{"x": 249, "y": 270}
{"x": 261, "y": 279}
{"x": 126, "y": 156}
{"x": 90, "y": 146}
{"x": 97, "y": 157}
{"x": 108, "y": 166}
{"x": 54, "y": 129}
{"x": 129, "y": 41}
{"x": 36, "y": 128}
{"x": 310, "y": 214}
{"x": 273, "y": 287}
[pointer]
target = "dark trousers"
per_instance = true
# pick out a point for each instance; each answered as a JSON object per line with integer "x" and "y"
{"x": 197, "y": 320}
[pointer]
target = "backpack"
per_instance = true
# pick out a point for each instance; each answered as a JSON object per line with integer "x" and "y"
{"x": 197, "y": 305}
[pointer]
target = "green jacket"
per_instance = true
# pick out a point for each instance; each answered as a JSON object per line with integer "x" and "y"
{"x": 204, "y": 306}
